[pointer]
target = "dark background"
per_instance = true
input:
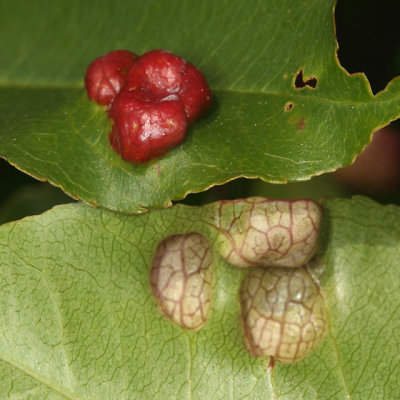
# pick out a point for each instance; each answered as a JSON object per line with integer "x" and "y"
{"x": 369, "y": 41}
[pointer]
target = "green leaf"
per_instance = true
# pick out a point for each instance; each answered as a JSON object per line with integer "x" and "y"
{"x": 78, "y": 319}
{"x": 250, "y": 54}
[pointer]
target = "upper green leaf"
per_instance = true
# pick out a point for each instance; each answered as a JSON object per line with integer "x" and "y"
{"x": 260, "y": 124}
{"x": 79, "y": 321}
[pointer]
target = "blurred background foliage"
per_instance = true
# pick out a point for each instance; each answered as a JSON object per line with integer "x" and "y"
{"x": 368, "y": 37}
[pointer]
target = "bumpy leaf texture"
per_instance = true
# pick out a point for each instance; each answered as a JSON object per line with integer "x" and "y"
{"x": 79, "y": 320}
{"x": 284, "y": 109}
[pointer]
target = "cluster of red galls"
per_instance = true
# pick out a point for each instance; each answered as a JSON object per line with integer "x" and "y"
{"x": 151, "y": 99}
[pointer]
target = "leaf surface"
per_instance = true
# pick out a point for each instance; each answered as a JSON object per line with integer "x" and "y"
{"x": 79, "y": 320}
{"x": 260, "y": 124}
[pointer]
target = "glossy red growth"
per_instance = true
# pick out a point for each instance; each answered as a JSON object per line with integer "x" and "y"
{"x": 145, "y": 128}
{"x": 151, "y": 100}
{"x": 105, "y": 76}
{"x": 159, "y": 74}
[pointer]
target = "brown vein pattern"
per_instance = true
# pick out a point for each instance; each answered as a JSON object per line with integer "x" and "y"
{"x": 181, "y": 278}
{"x": 283, "y": 313}
{"x": 264, "y": 232}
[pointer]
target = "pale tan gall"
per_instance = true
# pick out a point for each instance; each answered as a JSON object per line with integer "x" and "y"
{"x": 181, "y": 278}
{"x": 283, "y": 313}
{"x": 263, "y": 232}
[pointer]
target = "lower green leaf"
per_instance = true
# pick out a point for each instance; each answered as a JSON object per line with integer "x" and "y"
{"x": 79, "y": 321}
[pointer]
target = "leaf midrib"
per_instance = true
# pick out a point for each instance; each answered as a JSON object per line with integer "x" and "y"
{"x": 292, "y": 95}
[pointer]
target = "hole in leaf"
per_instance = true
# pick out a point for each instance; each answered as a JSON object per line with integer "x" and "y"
{"x": 288, "y": 106}
{"x": 300, "y": 83}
